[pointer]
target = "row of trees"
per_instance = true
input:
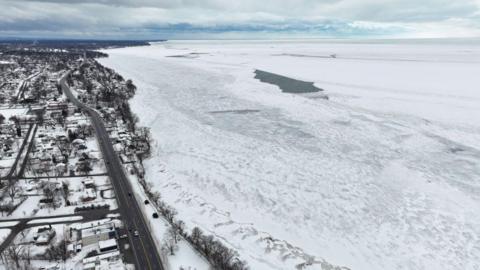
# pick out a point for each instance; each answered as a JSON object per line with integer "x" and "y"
{"x": 219, "y": 255}
{"x": 18, "y": 257}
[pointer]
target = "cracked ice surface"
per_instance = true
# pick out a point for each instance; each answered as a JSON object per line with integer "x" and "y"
{"x": 384, "y": 175}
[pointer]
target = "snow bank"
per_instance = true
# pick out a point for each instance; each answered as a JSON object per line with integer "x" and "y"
{"x": 55, "y": 220}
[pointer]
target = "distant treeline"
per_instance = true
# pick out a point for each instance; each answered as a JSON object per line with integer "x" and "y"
{"x": 63, "y": 48}
{"x": 38, "y": 53}
{"x": 72, "y": 44}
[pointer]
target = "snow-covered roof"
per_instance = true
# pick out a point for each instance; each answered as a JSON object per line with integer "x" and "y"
{"x": 102, "y": 229}
{"x": 101, "y": 257}
{"x": 88, "y": 182}
{"x": 11, "y": 112}
{"x": 78, "y": 141}
{"x": 89, "y": 193}
{"x": 107, "y": 243}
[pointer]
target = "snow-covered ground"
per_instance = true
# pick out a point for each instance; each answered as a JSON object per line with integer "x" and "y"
{"x": 4, "y": 234}
{"x": 185, "y": 256}
{"x": 54, "y": 220}
{"x": 384, "y": 175}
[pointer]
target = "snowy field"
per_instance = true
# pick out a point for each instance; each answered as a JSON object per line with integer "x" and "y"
{"x": 383, "y": 175}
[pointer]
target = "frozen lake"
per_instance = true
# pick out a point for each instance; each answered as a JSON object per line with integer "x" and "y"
{"x": 383, "y": 175}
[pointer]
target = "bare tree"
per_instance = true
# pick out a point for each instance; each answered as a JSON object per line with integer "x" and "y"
{"x": 179, "y": 226}
{"x": 12, "y": 191}
{"x": 48, "y": 192}
{"x": 196, "y": 236}
{"x": 65, "y": 191}
{"x": 207, "y": 245}
{"x": 51, "y": 195}
{"x": 14, "y": 253}
{"x": 170, "y": 242}
{"x": 169, "y": 213}
{"x": 57, "y": 252}
{"x": 155, "y": 197}
{"x": 173, "y": 233}
{"x": 28, "y": 256}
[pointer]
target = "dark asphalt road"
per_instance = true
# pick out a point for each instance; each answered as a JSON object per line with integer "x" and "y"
{"x": 23, "y": 166}
{"x": 143, "y": 246}
{"x": 20, "y": 151}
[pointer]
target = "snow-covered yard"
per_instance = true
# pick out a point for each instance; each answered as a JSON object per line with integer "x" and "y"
{"x": 83, "y": 192}
{"x": 3, "y": 234}
{"x": 7, "y": 113}
{"x": 384, "y": 175}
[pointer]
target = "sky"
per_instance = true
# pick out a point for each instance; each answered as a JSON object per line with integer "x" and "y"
{"x": 239, "y": 19}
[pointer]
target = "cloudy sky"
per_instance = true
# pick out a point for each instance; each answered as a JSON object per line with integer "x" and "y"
{"x": 200, "y": 19}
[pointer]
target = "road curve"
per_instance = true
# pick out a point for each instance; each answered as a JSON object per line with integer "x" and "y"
{"x": 144, "y": 249}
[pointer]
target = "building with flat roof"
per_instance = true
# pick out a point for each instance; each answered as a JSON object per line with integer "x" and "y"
{"x": 107, "y": 245}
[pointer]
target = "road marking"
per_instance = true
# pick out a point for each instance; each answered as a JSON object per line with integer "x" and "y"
{"x": 143, "y": 246}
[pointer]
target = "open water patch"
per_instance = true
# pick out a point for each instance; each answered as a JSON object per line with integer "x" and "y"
{"x": 286, "y": 84}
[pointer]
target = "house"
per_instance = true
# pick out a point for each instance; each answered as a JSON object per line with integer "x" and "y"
{"x": 56, "y": 106}
{"x": 89, "y": 194}
{"x": 44, "y": 235}
{"x": 125, "y": 159}
{"x": 98, "y": 233}
{"x": 89, "y": 183}
{"x": 74, "y": 248}
{"x": 26, "y": 119}
{"x": 78, "y": 142}
{"x": 101, "y": 261}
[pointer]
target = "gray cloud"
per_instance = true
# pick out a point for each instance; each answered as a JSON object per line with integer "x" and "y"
{"x": 144, "y": 18}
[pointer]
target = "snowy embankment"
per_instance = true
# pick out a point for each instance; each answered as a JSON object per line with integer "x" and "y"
{"x": 185, "y": 256}
{"x": 384, "y": 175}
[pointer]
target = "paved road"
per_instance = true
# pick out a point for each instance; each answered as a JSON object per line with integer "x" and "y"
{"x": 144, "y": 249}
{"x": 23, "y": 85}
{"x": 27, "y": 153}
{"x": 20, "y": 151}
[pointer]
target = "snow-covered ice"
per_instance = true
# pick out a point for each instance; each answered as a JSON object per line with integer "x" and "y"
{"x": 384, "y": 175}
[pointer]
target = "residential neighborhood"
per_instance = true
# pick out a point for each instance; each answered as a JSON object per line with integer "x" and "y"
{"x": 58, "y": 207}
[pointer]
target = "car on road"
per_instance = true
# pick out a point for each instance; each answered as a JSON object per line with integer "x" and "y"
{"x": 135, "y": 233}
{"x": 123, "y": 236}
